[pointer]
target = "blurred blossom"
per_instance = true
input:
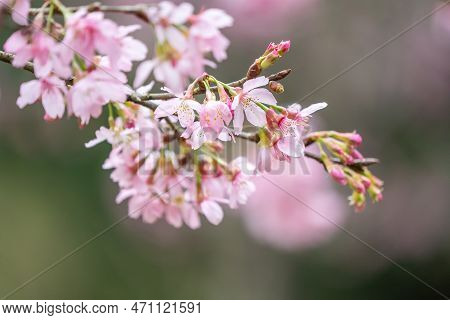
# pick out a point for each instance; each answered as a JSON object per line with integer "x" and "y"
{"x": 427, "y": 73}
{"x": 276, "y": 218}
{"x": 441, "y": 21}
{"x": 265, "y": 18}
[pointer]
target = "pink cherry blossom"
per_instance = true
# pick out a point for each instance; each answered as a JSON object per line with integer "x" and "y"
{"x": 180, "y": 210}
{"x": 240, "y": 187}
{"x": 174, "y": 72}
{"x": 244, "y": 102}
{"x": 284, "y": 134}
{"x": 42, "y": 49}
{"x": 184, "y": 107}
{"x": 181, "y": 48}
{"x": 88, "y": 95}
{"x": 212, "y": 211}
{"x": 166, "y": 17}
{"x": 206, "y": 34}
{"x": 90, "y": 32}
{"x": 215, "y": 115}
{"x": 291, "y": 126}
{"x": 282, "y": 221}
{"x": 147, "y": 206}
{"x": 197, "y": 135}
{"x": 50, "y": 90}
{"x": 130, "y": 49}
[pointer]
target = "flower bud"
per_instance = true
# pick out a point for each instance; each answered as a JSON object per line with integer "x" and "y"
{"x": 355, "y": 154}
{"x": 276, "y": 87}
{"x": 272, "y": 46}
{"x": 355, "y": 138}
{"x": 366, "y": 182}
{"x": 357, "y": 184}
{"x": 338, "y": 175}
{"x": 375, "y": 193}
{"x": 283, "y": 47}
{"x": 358, "y": 200}
{"x": 270, "y": 59}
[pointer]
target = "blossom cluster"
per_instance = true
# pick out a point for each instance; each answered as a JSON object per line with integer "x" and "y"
{"x": 343, "y": 146}
{"x": 162, "y": 182}
{"x": 166, "y": 151}
{"x": 183, "y": 39}
{"x": 92, "y": 56}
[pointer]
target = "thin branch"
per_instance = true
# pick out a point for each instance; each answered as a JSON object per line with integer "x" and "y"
{"x": 356, "y": 163}
{"x": 238, "y": 83}
{"x": 138, "y": 10}
{"x": 8, "y": 58}
{"x": 253, "y": 137}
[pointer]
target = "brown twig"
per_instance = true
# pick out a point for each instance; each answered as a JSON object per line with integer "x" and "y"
{"x": 165, "y": 96}
{"x": 253, "y": 137}
{"x": 138, "y": 10}
{"x": 8, "y": 58}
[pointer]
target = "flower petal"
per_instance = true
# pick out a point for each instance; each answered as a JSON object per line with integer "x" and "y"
{"x": 191, "y": 217}
{"x": 212, "y": 211}
{"x": 238, "y": 121}
{"x": 291, "y": 146}
{"x": 143, "y": 72}
{"x": 173, "y": 216}
{"x": 167, "y": 108}
{"x": 262, "y": 95}
{"x": 20, "y": 12}
{"x": 313, "y": 108}
{"x": 186, "y": 115}
{"x": 15, "y": 42}
{"x": 255, "y": 83}
{"x": 29, "y": 92}
{"x": 53, "y": 102}
{"x": 255, "y": 115}
{"x": 176, "y": 38}
{"x": 198, "y": 138}
{"x": 181, "y": 13}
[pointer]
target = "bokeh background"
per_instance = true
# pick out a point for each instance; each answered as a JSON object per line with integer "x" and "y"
{"x": 54, "y": 194}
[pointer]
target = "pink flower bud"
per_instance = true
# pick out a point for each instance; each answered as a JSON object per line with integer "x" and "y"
{"x": 284, "y": 47}
{"x": 358, "y": 200}
{"x": 270, "y": 59}
{"x": 366, "y": 182}
{"x": 355, "y": 138}
{"x": 379, "y": 196}
{"x": 357, "y": 185}
{"x": 356, "y": 154}
{"x": 338, "y": 174}
{"x": 272, "y": 46}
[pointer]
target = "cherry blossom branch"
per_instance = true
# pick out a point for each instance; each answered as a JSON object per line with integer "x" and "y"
{"x": 145, "y": 101}
{"x": 138, "y": 10}
{"x": 8, "y": 58}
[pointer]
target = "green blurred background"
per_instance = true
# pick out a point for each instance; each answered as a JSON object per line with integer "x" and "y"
{"x": 54, "y": 194}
